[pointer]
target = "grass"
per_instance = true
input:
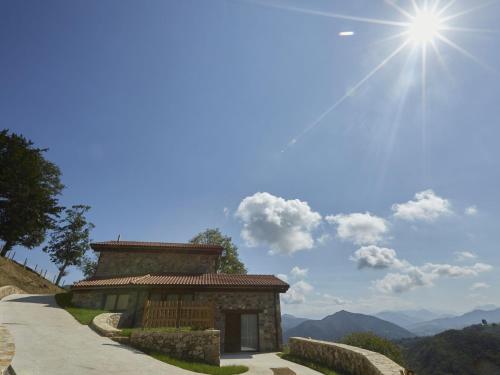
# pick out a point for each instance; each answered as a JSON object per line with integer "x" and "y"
{"x": 82, "y": 315}
{"x": 311, "y": 364}
{"x": 127, "y": 332}
{"x": 199, "y": 367}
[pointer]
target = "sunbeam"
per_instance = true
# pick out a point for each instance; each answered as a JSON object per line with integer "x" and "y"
{"x": 349, "y": 93}
{"x": 424, "y": 24}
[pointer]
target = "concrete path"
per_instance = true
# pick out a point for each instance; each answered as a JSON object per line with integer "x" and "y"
{"x": 262, "y": 363}
{"x": 50, "y": 341}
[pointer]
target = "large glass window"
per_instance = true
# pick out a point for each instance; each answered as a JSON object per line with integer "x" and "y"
{"x": 116, "y": 302}
{"x": 249, "y": 332}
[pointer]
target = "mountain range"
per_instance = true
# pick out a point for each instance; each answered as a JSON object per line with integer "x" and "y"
{"x": 334, "y": 327}
{"x": 435, "y": 326}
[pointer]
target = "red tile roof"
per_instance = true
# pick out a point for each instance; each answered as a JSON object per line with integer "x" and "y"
{"x": 155, "y": 247}
{"x": 210, "y": 280}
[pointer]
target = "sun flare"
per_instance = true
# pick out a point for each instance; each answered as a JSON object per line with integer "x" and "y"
{"x": 425, "y": 26}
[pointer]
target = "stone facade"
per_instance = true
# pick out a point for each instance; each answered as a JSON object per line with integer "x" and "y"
{"x": 266, "y": 304}
{"x": 7, "y": 351}
{"x": 141, "y": 263}
{"x": 349, "y": 359}
{"x": 203, "y": 346}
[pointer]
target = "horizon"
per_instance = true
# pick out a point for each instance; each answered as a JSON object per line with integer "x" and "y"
{"x": 356, "y": 163}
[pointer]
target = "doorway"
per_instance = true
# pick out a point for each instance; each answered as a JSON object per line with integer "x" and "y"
{"x": 241, "y": 332}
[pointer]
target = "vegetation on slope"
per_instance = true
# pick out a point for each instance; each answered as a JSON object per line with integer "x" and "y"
{"x": 369, "y": 341}
{"x": 473, "y": 350}
{"x": 12, "y": 273}
{"x": 83, "y": 315}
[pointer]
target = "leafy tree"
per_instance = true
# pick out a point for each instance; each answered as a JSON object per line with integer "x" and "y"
{"x": 29, "y": 186}
{"x": 229, "y": 262}
{"x": 70, "y": 240}
{"x": 370, "y": 341}
{"x": 88, "y": 266}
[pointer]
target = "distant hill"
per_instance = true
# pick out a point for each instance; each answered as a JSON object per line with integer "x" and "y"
{"x": 342, "y": 323}
{"x": 473, "y": 350}
{"x": 408, "y": 318}
{"x": 12, "y": 273}
{"x": 435, "y": 326}
{"x": 289, "y": 321}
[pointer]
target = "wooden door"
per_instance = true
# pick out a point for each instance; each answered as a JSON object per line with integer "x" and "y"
{"x": 232, "y": 336}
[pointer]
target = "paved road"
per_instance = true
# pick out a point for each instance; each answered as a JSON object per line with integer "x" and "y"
{"x": 50, "y": 342}
{"x": 262, "y": 363}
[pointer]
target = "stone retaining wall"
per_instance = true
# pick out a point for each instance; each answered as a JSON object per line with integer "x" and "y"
{"x": 7, "y": 351}
{"x": 353, "y": 360}
{"x": 203, "y": 346}
{"x": 10, "y": 289}
{"x": 106, "y": 324}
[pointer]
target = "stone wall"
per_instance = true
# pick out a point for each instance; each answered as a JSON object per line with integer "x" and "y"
{"x": 202, "y": 346}
{"x": 10, "y": 289}
{"x": 266, "y": 304}
{"x": 107, "y": 324}
{"x": 134, "y": 263}
{"x": 7, "y": 351}
{"x": 353, "y": 360}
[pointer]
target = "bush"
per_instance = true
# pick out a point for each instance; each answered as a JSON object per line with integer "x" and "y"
{"x": 370, "y": 341}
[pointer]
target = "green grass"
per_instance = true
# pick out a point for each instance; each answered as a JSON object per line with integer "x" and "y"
{"x": 83, "y": 315}
{"x": 311, "y": 364}
{"x": 198, "y": 366}
{"x": 127, "y": 332}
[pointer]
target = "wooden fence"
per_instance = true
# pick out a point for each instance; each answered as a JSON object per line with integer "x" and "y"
{"x": 195, "y": 314}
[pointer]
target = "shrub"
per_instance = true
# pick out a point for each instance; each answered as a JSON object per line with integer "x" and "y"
{"x": 370, "y": 341}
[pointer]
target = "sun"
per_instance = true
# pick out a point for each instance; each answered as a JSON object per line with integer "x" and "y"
{"x": 424, "y": 27}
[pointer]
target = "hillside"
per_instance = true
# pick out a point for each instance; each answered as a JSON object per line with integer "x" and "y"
{"x": 12, "y": 273}
{"x": 289, "y": 321}
{"x": 408, "y": 318}
{"x": 342, "y": 323}
{"x": 435, "y": 326}
{"x": 473, "y": 350}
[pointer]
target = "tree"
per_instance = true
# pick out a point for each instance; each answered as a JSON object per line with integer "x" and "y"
{"x": 88, "y": 266}
{"x": 370, "y": 341}
{"x": 229, "y": 261}
{"x": 69, "y": 241}
{"x": 29, "y": 186}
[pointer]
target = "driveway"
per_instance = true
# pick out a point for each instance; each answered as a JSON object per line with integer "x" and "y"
{"x": 262, "y": 363}
{"x": 50, "y": 341}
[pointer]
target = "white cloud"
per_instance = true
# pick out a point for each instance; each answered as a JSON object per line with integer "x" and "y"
{"x": 477, "y": 286}
{"x": 427, "y": 206}
{"x": 282, "y": 276}
{"x": 414, "y": 277}
{"x": 284, "y": 225}
{"x": 297, "y": 293}
{"x": 361, "y": 229}
{"x": 329, "y": 299}
{"x": 299, "y": 273}
{"x": 471, "y": 211}
{"x": 402, "y": 282}
{"x": 456, "y": 271}
{"x": 464, "y": 255}
{"x": 377, "y": 257}
{"x": 226, "y": 211}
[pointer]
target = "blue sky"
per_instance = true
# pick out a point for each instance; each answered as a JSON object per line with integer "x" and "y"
{"x": 165, "y": 115}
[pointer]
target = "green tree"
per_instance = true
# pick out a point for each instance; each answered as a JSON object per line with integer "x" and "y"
{"x": 29, "y": 186}
{"x": 229, "y": 261}
{"x": 70, "y": 239}
{"x": 370, "y": 341}
{"x": 88, "y": 266}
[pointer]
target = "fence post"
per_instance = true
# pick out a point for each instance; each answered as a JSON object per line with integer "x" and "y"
{"x": 25, "y": 262}
{"x": 178, "y": 314}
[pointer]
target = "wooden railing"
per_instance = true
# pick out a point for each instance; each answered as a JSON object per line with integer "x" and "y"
{"x": 194, "y": 314}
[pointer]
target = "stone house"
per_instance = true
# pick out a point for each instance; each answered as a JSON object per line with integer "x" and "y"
{"x": 247, "y": 307}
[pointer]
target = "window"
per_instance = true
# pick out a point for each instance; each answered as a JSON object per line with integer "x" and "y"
{"x": 116, "y": 302}
{"x": 110, "y": 302}
{"x": 122, "y": 303}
